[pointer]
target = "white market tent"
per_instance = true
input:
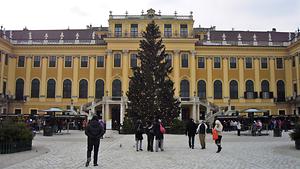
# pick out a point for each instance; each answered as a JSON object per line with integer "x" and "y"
{"x": 253, "y": 110}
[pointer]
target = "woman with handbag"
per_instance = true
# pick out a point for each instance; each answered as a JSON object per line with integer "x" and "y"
{"x": 159, "y": 132}
{"x": 217, "y": 131}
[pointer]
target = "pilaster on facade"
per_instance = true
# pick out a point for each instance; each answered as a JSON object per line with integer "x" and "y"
{"x": 11, "y": 75}
{"x": 209, "y": 79}
{"x": 297, "y": 57}
{"x": 59, "y": 93}
{"x": 75, "y": 82}
{"x": 272, "y": 76}
{"x": 256, "y": 74}
{"x": 176, "y": 72}
{"x": 91, "y": 90}
{"x": 108, "y": 71}
{"x": 241, "y": 79}
{"x": 2, "y": 58}
{"x": 193, "y": 72}
{"x": 225, "y": 78}
{"x": 125, "y": 67}
{"x": 28, "y": 76}
{"x": 43, "y": 78}
{"x": 288, "y": 77}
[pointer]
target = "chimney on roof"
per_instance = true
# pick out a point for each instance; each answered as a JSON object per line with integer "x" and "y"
{"x": 25, "y": 29}
{"x": 273, "y": 29}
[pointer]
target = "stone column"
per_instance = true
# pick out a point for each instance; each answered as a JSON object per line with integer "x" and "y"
{"x": 27, "y": 77}
{"x": 125, "y": 70}
{"x": 75, "y": 82}
{"x": 108, "y": 71}
{"x": 59, "y": 85}
{"x": 241, "y": 79}
{"x": 43, "y": 79}
{"x": 193, "y": 73}
{"x": 225, "y": 90}
{"x": 288, "y": 77}
{"x": 272, "y": 77}
{"x": 103, "y": 111}
{"x": 92, "y": 79}
{"x": 209, "y": 87}
{"x": 176, "y": 72}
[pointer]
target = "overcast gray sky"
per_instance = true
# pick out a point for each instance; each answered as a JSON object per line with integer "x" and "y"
{"x": 261, "y": 15}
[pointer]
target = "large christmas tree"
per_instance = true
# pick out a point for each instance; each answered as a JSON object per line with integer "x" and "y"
{"x": 151, "y": 92}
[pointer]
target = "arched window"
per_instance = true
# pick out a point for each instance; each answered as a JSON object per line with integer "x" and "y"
{"x": 99, "y": 89}
{"x": 83, "y": 88}
{"x": 217, "y": 89}
{"x": 35, "y": 88}
{"x": 184, "y": 88}
{"x": 249, "y": 86}
{"x": 234, "y": 90}
{"x": 19, "y": 89}
{"x": 280, "y": 91}
{"x": 67, "y": 88}
{"x": 265, "y": 86}
{"x": 116, "y": 88}
{"x": 201, "y": 89}
{"x": 51, "y": 88}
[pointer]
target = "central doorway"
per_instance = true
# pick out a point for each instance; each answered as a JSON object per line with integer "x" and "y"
{"x": 115, "y": 116}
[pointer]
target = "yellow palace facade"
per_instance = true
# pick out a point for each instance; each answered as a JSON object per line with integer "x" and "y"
{"x": 89, "y": 68}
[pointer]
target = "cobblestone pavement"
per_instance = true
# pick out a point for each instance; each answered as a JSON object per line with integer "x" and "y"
{"x": 118, "y": 152}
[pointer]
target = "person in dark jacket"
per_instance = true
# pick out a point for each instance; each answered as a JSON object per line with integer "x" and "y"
{"x": 94, "y": 132}
{"x": 139, "y": 135}
{"x": 159, "y": 135}
{"x": 150, "y": 136}
{"x": 190, "y": 131}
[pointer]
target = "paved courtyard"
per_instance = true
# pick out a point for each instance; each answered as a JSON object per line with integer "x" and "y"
{"x": 118, "y": 152}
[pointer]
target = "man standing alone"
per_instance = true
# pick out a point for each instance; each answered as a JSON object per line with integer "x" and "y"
{"x": 201, "y": 130}
{"x": 94, "y": 131}
{"x": 191, "y": 132}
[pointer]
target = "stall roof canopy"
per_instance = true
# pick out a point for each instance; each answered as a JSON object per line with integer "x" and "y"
{"x": 52, "y": 109}
{"x": 253, "y": 110}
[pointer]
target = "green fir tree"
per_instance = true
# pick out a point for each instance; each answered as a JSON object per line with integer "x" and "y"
{"x": 151, "y": 92}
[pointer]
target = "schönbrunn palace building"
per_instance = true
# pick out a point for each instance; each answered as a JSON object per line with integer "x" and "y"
{"x": 89, "y": 68}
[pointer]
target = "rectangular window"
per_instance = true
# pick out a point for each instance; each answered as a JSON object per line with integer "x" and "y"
{"x": 282, "y": 112}
{"x": 68, "y": 61}
{"x": 118, "y": 30}
{"x": 232, "y": 62}
{"x": 295, "y": 90}
{"x": 52, "y": 61}
{"x": 18, "y": 111}
{"x": 33, "y": 112}
{"x": 294, "y": 61}
{"x": 264, "y": 63}
{"x": 248, "y": 63}
{"x": 167, "y": 30}
{"x": 36, "y": 61}
{"x": 117, "y": 60}
{"x": 6, "y": 59}
{"x": 217, "y": 62}
{"x": 169, "y": 60}
{"x": 100, "y": 61}
{"x": 4, "y": 88}
{"x": 185, "y": 60}
{"x": 133, "y": 60}
{"x": 183, "y": 30}
{"x": 84, "y": 61}
{"x": 201, "y": 62}
{"x": 279, "y": 63}
{"x": 21, "y": 61}
{"x": 134, "y": 30}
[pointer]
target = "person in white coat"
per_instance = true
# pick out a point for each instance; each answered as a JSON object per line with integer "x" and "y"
{"x": 219, "y": 128}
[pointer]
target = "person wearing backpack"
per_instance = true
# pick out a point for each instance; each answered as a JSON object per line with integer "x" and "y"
{"x": 139, "y": 135}
{"x": 190, "y": 131}
{"x": 201, "y": 130}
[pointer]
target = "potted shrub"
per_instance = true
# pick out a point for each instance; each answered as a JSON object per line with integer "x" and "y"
{"x": 295, "y": 135}
{"x": 14, "y": 137}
